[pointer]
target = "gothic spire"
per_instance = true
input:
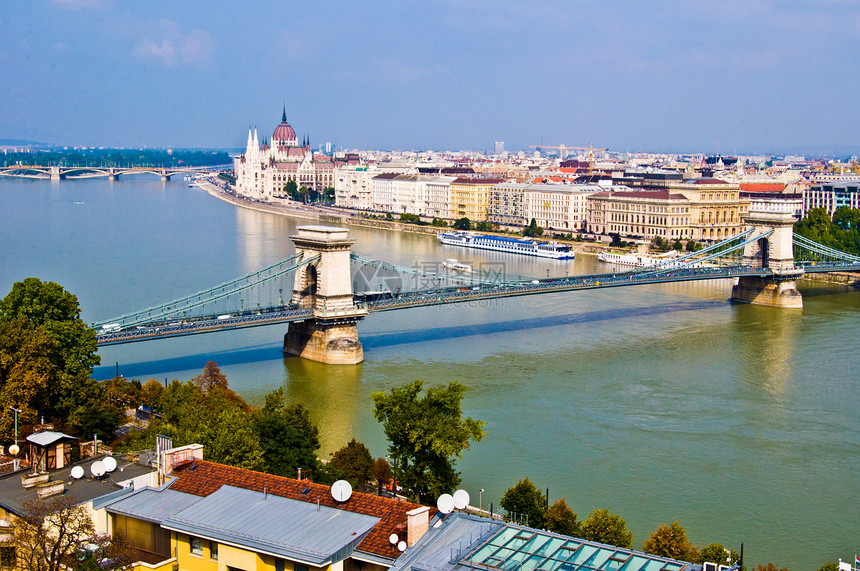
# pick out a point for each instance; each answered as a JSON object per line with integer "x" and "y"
{"x": 284, "y": 116}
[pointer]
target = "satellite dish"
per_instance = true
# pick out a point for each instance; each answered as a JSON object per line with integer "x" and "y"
{"x": 401, "y": 546}
{"x": 393, "y": 539}
{"x": 97, "y": 469}
{"x": 13, "y": 450}
{"x": 110, "y": 465}
{"x": 77, "y": 472}
{"x": 461, "y": 499}
{"x": 445, "y": 503}
{"x": 341, "y": 490}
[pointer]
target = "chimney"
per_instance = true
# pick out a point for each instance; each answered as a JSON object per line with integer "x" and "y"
{"x": 417, "y": 524}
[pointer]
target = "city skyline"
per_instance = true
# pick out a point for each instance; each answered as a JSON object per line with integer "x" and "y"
{"x": 710, "y": 77}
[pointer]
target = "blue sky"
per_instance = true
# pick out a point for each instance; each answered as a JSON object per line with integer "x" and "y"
{"x": 693, "y": 76}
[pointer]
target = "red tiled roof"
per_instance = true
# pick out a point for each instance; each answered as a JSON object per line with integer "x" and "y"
{"x": 202, "y": 478}
{"x": 762, "y": 186}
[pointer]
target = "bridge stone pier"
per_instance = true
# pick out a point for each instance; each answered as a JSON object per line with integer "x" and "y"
{"x": 56, "y": 174}
{"x": 325, "y": 286}
{"x": 774, "y": 252}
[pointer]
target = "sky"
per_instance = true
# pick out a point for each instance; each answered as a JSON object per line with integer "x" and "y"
{"x": 697, "y": 76}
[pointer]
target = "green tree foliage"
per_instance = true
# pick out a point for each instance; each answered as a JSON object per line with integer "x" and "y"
{"x": 669, "y": 541}
{"x": 842, "y": 232}
{"x": 484, "y": 226}
{"x": 769, "y": 567}
{"x": 715, "y": 553}
{"x": 604, "y": 527}
{"x": 693, "y": 246}
{"x": 292, "y": 190}
{"x": 47, "y": 352}
{"x": 411, "y": 219}
{"x": 220, "y": 420}
{"x": 532, "y": 230}
{"x": 832, "y": 566}
{"x": 150, "y": 393}
{"x": 462, "y": 224}
{"x": 439, "y": 222}
{"x": 382, "y": 473}
{"x": 559, "y": 518}
{"x": 426, "y": 435}
{"x": 677, "y": 245}
{"x": 525, "y": 503}
{"x": 354, "y": 462}
{"x": 288, "y": 437}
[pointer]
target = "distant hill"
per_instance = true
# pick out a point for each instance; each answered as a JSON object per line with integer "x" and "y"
{"x": 22, "y": 143}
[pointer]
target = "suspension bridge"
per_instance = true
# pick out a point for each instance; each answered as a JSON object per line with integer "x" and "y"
{"x": 330, "y": 289}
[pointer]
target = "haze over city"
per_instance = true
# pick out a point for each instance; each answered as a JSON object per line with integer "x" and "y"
{"x": 709, "y": 77}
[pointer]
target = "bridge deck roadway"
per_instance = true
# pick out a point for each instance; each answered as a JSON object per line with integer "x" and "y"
{"x": 450, "y": 295}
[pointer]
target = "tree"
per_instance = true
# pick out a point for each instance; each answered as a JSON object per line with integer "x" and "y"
{"x": 462, "y": 224}
{"x": 288, "y": 437}
{"x": 210, "y": 378}
{"x": 47, "y": 351}
{"x": 715, "y": 553}
{"x": 426, "y": 435}
{"x": 669, "y": 541}
{"x": 677, "y": 245}
{"x": 50, "y": 534}
{"x": 604, "y": 527}
{"x": 525, "y": 503}
{"x": 150, "y": 393}
{"x": 769, "y": 567}
{"x": 693, "y": 246}
{"x": 532, "y": 230}
{"x": 561, "y": 519}
{"x": 832, "y": 566}
{"x": 354, "y": 462}
{"x": 292, "y": 190}
{"x": 382, "y": 473}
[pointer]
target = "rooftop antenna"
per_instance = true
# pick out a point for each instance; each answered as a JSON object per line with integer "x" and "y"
{"x": 109, "y": 463}
{"x": 341, "y": 491}
{"x": 445, "y": 503}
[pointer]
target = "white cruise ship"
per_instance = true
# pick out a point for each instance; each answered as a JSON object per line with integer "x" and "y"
{"x": 509, "y": 245}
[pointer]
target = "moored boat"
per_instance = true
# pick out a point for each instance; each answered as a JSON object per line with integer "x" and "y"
{"x": 525, "y": 247}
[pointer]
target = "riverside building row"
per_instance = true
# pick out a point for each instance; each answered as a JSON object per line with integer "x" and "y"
{"x": 705, "y": 209}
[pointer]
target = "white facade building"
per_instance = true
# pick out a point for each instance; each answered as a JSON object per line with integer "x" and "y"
{"x": 264, "y": 170}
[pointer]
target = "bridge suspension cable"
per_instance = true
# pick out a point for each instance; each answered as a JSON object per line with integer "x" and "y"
{"x": 422, "y": 273}
{"x": 821, "y": 249}
{"x": 232, "y": 287}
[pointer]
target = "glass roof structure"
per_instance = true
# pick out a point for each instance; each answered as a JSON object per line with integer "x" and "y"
{"x": 525, "y": 549}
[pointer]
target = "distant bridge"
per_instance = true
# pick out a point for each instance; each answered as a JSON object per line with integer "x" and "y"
{"x": 112, "y": 173}
{"x": 332, "y": 289}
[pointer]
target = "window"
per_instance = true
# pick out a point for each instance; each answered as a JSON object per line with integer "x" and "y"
{"x": 196, "y": 546}
{"x": 213, "y": 551}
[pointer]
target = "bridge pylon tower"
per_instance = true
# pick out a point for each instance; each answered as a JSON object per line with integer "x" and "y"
{"x": 325, "y": 286}
{"x": 775, "y": 252}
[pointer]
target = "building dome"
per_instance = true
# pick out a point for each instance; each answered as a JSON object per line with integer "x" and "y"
{"x": 283, "y": 132}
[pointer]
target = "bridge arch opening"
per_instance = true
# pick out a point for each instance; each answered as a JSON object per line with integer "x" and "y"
{"x": 309, "y": 288}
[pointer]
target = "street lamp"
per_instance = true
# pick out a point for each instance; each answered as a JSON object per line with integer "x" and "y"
{"x": 14, "y": 448}
{"x": 481, "y": 499}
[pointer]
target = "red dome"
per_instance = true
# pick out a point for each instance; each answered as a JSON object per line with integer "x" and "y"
{"x": 283, "y": 132}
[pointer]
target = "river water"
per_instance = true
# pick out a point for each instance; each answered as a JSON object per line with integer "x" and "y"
{"x": 660, "y": 403}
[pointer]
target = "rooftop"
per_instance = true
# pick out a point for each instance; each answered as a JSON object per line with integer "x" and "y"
{"x": 13, "y": 495}
{"x": 204, "y": 478}
{"x": 297, "y": 530}
{"x": 463, "y": 542}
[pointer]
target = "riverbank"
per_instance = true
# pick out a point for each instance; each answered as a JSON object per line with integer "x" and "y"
{"x": 334, "y": 216}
